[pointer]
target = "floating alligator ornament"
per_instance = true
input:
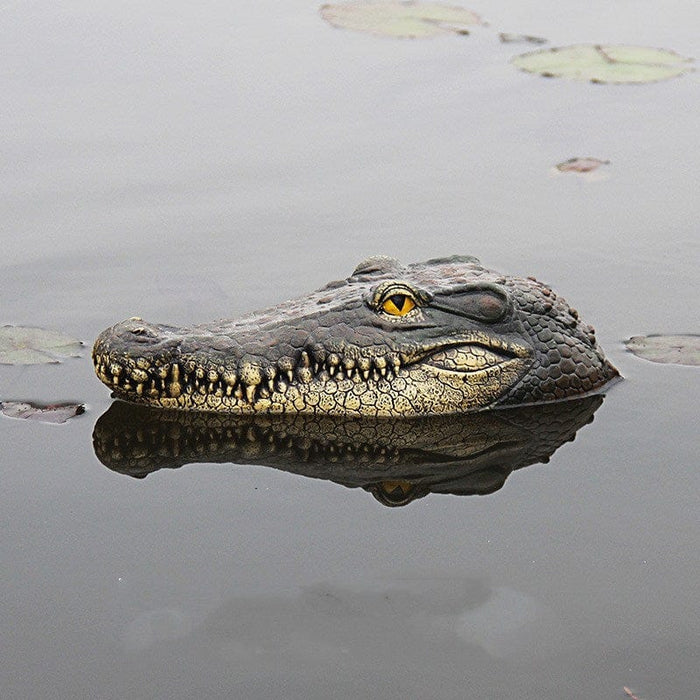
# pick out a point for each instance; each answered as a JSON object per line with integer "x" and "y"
{"x": 440, "y": 337}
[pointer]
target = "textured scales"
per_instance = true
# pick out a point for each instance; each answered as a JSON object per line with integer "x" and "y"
{"x": 444, "y": 336}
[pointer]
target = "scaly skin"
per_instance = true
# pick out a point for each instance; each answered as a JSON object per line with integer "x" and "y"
{"x": 445, "y": 336}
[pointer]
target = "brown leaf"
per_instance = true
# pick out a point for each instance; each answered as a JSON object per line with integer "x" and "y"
{"x": 581, "y": 165}
{"x": 508, "y": 38}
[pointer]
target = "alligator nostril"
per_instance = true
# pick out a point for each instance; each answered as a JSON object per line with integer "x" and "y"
{"x": 142, "y": 335}
{"x": 137, "y": 331}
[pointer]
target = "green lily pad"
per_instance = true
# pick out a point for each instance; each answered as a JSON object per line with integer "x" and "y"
{"x": 605, "y": 64}
{"x": 407, "y": 20}
{"x": 668, "y": 349}
{"x": 53, "y": 413}
{"x": 33, "y": 346}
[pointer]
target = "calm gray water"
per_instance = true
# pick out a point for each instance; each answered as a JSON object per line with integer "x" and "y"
{"x": 187, "y": 161}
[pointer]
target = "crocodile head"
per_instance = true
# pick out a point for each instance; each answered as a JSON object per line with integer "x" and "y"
{"x": 445, "y": 336}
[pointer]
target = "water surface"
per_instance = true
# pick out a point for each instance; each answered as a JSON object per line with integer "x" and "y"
{"x": 186, "y": 162}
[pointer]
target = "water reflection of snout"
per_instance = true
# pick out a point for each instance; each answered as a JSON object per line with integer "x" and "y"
{"x": 397, "y": 461}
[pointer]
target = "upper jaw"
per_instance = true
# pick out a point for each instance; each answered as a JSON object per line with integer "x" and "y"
{"x": 151, "y": 362}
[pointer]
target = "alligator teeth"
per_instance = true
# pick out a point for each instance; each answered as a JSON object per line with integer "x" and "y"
{"x": 380, "y": 366}
{"x": 270, "y": 373}
{"x": 250, "y": 393}
{"x": 139, "y": 388}
{"x": 304, "y": 359}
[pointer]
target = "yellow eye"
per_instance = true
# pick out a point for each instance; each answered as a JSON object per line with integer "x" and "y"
{"x": 398, "y": 304}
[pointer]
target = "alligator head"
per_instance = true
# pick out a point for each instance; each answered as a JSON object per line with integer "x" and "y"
{"x": 445, "y": 336}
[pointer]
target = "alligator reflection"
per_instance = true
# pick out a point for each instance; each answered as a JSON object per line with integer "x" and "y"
{"x": 397, "y": 461}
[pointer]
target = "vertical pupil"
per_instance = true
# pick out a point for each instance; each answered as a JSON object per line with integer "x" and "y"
{"x": 399, "y": 300}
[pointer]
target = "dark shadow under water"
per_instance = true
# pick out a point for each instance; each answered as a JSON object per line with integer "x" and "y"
{"x": 397, "y": 461}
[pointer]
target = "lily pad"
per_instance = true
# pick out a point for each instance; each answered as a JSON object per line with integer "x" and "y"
{"x": 605, "y": 64}
{"x": 33, "y": 346}
{"x": 53, "y": 413}
{"x": 667, "y": 349}
{"x": 407, "y": 20}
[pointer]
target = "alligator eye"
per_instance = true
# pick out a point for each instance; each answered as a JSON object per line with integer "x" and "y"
{"x": 398, "y": 304}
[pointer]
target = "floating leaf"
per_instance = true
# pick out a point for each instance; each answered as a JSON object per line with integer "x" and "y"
{"x": 34, "y": 346}
{"x": 668, "y": 349}
{"x": 605, "y": 64}
{"x": 580, "y": 165}
{"x": 53, "y": 413}
{"x": 409, "y": 20}
{"x": 507, "y": 38}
